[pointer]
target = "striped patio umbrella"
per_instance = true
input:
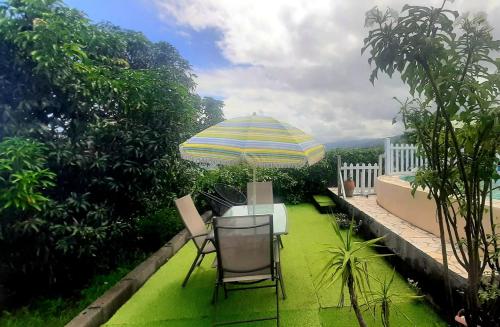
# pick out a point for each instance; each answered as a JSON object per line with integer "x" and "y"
{"x": 256, "y": 140}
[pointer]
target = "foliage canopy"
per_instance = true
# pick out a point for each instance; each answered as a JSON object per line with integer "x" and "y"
{"x": 90, "y": 119}
{"x": 448, "y": 62}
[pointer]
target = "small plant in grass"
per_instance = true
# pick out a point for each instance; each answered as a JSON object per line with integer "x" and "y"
{"x": 383, "y": 299}
{"x": 348, "y": 263}
{"x": 414, "y": 286}
{"x": 344, "y": 221}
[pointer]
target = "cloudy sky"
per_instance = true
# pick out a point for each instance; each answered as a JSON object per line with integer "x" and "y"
{"x": 295, "y": 60}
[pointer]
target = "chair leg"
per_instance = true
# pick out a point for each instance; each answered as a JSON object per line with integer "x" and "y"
{"x": 281, "y": 242}
{"x": 201, "y": 259}
{"x": 191, "y": 270}
{"x": 277, "y": 305}
{"x": 225, "y": 291}
{"x": 282, "y": 284}
{"x": 214, "y": 302}
{"x": 216, "y": 293}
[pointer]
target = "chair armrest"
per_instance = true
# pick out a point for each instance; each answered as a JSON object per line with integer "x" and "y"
{"x": 207, "y": 216}
{"x": 198, "y": 235}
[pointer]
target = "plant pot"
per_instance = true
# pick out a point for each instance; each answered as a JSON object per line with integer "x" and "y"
{"x": 349, "y": 187}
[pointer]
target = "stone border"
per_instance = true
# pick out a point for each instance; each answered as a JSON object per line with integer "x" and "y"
{"x": 415, "y": 258}
{"x": 102, "y": 309}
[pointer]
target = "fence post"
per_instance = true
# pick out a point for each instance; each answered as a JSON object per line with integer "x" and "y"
{"x": 362, "y": 179}
{"x": 387, "y": 152}
{"x": 380, "y": 164}
{"x": 339, "y": 176}
{"x": 352, "y": 172}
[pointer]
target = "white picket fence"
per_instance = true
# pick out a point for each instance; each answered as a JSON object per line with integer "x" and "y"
{"x": 401, "y": 158}
{"x": 398, "y": 159}
{"x": 364, "y": 176}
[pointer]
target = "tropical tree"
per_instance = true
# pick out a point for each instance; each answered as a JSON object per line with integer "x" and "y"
{"x": 210, "y": 112}
{"x": 107, "y": 108}
{"x": 453, "y": 114}
{"x": 348, "y": 263}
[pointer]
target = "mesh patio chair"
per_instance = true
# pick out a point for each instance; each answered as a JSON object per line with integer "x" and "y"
{"x": 197, "y": 229}
{"x": 218, "y": 205}
{"x": 247, "y": 254}
{"x": 230, "y": 194}
{"x": 261, "y": 193}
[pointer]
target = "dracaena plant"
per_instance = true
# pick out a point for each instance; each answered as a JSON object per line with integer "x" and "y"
{"x": 453, "y": 114}
{"x": 348, "y": 265}
{"x": 382, "y": 298}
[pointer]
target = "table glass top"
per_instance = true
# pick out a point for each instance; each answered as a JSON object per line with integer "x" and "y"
{"x": 278, "y": 210}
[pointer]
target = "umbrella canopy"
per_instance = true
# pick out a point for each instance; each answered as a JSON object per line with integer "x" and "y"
{"x": 257, "y": 140}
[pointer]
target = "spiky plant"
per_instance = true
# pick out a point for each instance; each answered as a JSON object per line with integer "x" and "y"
{"x": 348, "y": 263}
{"x": 383, "y": 298}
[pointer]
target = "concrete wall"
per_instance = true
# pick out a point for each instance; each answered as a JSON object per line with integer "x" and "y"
{"x": 394, "y": 195}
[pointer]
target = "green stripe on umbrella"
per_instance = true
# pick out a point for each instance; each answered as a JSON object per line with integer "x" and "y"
{"x": 256, "y": 140}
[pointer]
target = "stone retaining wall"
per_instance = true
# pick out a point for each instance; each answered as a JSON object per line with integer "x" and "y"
{"x": 428, "y": 270}
{"x": 102, "y": 309}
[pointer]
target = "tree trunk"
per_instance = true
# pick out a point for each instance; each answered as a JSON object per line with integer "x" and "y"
{"x": 474, "y": 277}
{"x": 444, "y": 253}
{"x": 354, "y": 302}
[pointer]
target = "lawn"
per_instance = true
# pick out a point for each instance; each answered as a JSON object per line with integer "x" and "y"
{"x": 162, "y": 301}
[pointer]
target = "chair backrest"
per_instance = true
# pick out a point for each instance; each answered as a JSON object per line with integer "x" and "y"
{"x": 244, "y": 246}
{"x": 218, "y": 205}
{"x": 231, "y": 194}
{"x": 191, "y": 218}
{"x": 260, "y": 193}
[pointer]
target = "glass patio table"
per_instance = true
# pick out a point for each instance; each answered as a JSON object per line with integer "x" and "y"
{"x": 278, "y": 210}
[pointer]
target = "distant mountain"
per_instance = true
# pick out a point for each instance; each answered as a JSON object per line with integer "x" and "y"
{"x": 362, "y": 143}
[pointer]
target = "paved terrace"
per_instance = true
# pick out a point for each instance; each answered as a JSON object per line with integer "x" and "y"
{"x": 162, "y": 301}
{"x": 427, "y": 243}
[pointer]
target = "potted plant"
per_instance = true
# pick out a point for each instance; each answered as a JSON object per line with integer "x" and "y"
{"x": 349, "y": 186}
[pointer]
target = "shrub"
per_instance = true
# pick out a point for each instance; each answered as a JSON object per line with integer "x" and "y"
{"x": 351, "y": 155}
{"x": 290, "y": 185}
{"x": 286, "y": 187}
{"x": 344, "y": 222}
{"x": 107, "y": 109}
{"x": 23, "y": 175}
{"x": 156, "y": 229}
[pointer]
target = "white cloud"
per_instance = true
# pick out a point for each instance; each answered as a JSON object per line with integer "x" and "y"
{"x": 299, "y": 61}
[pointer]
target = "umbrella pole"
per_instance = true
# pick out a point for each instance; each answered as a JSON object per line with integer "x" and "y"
{"x": 254, "y": 189}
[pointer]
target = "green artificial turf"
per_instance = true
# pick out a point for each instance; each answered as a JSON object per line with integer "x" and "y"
{"x": 163, "y": 302}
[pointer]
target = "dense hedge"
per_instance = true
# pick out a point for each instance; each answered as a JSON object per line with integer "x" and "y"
{"x": 291, "y": 185}
{"x": 90, "y": 121}
{"x": 353, "y": 156}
